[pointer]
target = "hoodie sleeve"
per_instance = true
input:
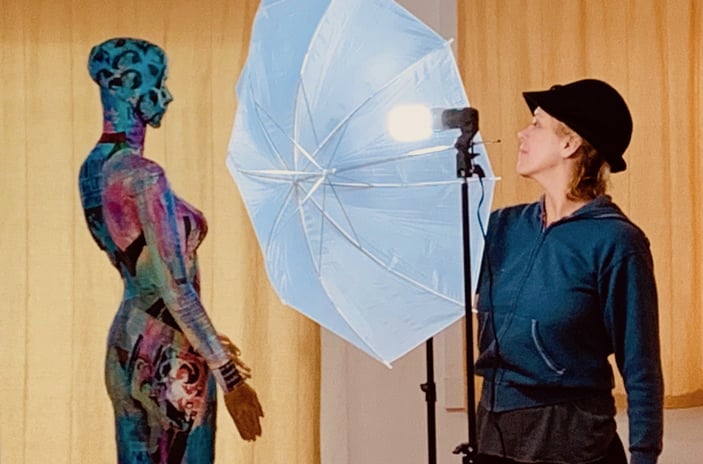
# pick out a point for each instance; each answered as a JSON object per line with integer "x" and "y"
{"x": 631, "y": 315}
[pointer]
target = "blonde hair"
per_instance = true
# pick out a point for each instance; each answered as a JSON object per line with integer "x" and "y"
{"x": 592, "y": 173}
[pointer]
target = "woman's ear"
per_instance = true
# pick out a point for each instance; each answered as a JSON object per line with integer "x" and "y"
{"x": 572, "y": 142}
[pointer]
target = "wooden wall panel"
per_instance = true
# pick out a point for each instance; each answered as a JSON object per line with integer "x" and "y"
{"x": 13, "y": 230}
{"x": 59, "y": 291}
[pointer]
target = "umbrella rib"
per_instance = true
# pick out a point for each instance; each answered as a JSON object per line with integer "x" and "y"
{"x": 344, "y": 211}
{"x": 271, "y": 4}
{"x": 295, "y": 126}
{"x": 299, "y": 210}
{"x": 313, "y": 189}
{"x": 378, "y": 261}
{"x": 280, "y": 175}
{"x": 410, "y": 154}
{"x": 277, "y": 221}
{"x": 363, "y": 185}
{"x": 259, "y": 110}
{"x": 291, "y": 139}
{"x": 379, "y": 90}
{"x": 352, "y": 184}
{"x": 307, "y": 110}
{"x": 322, "y": 232}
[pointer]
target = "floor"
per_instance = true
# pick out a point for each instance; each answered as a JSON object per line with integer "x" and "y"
{"x": 683, "y": 435}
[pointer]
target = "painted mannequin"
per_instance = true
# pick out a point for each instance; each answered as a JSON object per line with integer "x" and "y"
{"x": 164, "y": 356}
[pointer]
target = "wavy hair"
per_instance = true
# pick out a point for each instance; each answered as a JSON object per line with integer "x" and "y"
{"x": 592, "y": 173}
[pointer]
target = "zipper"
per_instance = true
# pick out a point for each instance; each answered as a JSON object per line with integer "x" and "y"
{"x": 528, "y": 269}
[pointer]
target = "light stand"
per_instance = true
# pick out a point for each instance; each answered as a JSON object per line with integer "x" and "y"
{"x": 465, "y": 119}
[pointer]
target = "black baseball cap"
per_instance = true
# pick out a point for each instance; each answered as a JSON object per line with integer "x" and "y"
{"x": 594, "y": 110}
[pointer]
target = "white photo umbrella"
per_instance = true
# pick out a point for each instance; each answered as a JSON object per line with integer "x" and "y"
{"x": 359, "y": 232}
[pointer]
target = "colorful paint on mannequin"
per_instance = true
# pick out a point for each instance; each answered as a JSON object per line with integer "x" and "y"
{"x": 162, "y": 345}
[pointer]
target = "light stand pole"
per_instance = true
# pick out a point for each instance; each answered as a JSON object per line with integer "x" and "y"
{"x": 466, "y": 169}
{"x": 465, "y": 119}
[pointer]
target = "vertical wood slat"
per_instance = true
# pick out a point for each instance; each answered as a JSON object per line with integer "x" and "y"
{"x": 696, "y": 124}
{"x": 97, "y": 286}
{"x": 49, "y": 237}
{"x": 236, "y": 275}
{"x": 682, "y": 208}
{"x": 649, "y": 189}
{"x": 13, "y": 230}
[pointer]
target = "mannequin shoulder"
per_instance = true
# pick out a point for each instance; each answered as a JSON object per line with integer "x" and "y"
{"x": 135, "y": 173}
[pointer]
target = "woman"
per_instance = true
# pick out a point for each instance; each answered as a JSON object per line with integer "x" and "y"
{"x": 566, "y": 282}
{"x": 164, "y": 355}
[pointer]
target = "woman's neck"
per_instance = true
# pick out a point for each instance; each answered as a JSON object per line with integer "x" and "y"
{"x": 557, "y": 206}
{"x": 556, "y": 184}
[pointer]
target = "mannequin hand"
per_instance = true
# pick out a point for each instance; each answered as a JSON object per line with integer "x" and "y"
{"x": 242, "y": 402}
{"x": 244, "y": 408}
{"x": 234, "y": 354}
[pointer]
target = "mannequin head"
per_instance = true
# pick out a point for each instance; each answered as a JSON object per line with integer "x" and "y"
{"x": 132, "y": 71}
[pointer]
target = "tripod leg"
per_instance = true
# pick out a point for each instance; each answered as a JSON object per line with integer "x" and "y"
{"x": 430, "y": 390}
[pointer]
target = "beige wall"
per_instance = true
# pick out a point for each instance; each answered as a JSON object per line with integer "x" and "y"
{"x": 58, "y": 291}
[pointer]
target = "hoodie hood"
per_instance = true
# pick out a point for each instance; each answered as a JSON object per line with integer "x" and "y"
{"x": 601, "y": 207}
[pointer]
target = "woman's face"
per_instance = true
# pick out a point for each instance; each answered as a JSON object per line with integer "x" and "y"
{"x": 541, "y": 145}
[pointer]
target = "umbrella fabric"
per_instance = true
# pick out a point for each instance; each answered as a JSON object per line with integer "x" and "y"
{"x": 359, "y": 232}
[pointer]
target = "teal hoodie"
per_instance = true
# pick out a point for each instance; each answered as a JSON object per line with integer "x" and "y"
{"x": 564, "y": 298}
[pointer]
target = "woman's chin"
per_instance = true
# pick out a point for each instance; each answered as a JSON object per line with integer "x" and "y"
{"x": 521, "y": 169}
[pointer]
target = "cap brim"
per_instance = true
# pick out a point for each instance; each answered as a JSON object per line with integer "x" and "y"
{"x": 545, "y": 99}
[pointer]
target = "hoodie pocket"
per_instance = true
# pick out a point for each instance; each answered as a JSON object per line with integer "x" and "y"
{"x": 539, "y": 345}
{"x": 529, "y": 358}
